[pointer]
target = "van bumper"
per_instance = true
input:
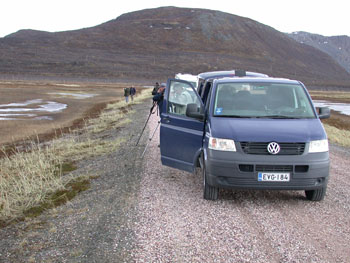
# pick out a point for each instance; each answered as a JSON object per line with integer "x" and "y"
{"x": 239, "y": 170}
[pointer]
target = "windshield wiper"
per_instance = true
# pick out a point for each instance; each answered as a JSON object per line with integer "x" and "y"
{"x": 278, "y": 117}
{"x": 233, "y": 116}
{"x": 260, "y": 117}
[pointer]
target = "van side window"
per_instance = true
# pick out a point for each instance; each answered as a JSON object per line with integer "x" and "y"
{"x": 206, "y": 92}
{"x": 200, "y": 88}
{"x": 180, "y": 94}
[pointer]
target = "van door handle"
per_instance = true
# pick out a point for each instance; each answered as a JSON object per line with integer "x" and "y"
{"x": 166, "y": 120}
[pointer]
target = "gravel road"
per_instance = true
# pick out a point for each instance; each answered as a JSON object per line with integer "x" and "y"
{"x": 178, "y": 225}
{"x": 140, "y": 211}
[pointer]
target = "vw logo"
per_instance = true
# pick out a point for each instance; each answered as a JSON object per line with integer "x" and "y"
{"x": 273, "y": 148}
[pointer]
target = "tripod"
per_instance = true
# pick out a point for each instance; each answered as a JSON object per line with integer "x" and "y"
{"x": 150, "y": 139}
{"x": 150, "y": 113}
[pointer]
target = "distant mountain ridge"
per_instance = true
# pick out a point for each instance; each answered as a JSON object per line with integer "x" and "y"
{"x": 338, "y": 47}
{"x": 154, "y": 44}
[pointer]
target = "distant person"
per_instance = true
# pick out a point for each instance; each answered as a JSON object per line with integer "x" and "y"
{"x": 126, "y": 94}
{"x": 132, "y": 93}
{"x": 155, "y": 89}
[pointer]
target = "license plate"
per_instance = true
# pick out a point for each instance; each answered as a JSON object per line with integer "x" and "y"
{"x": 274, "y": 177}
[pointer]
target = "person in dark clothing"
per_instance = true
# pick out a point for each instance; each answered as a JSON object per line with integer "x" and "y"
{"x": 132, "y": 93}
{"x": 158, "y": 97}
{"x": 126, "y": 94}
{"x": 155, "y": 89}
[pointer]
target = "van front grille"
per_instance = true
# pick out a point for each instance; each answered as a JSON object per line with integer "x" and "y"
{"x": 249, "y": 168}
{"x": 274, "y": 168}
{"x": 261, "y": 148}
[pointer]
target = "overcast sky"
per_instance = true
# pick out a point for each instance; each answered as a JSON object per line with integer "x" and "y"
{"x": 322, "y": 17}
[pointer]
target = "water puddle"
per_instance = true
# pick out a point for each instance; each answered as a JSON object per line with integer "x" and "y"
{"x": 34, "y": 109}
{"x": 21, "y": 111}
{"x": 16, "y": 115}
{"x": 47, "y": 118}
{"x": 19, "y": 104}
{"x": 343, "y": 108}
{"x": 49, "y": 106}
{"x": 67, "y": 85}
{"x": 74, "y": 95}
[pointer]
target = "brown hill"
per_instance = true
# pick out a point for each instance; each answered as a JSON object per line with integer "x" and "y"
{"x": 154, "y": 44}
{"x": 338, "y": 47}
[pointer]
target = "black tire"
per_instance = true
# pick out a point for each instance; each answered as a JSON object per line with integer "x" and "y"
{"x": 209, "y": 192}
{"x": 316, "y": 195}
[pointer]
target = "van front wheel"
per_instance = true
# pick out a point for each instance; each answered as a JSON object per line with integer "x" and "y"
{"x": 210, "y": 192}
{"x": 316, "y": 195}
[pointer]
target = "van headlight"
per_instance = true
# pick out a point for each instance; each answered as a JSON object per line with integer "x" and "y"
{"x": 222, "y": 144}
{"x": 318, "y": 146}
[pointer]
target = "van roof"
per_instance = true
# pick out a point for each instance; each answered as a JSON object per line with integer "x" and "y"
{"x": 228, "y": 73}
{"x": 187, "y": 77}
{"x": 257, "y": 79}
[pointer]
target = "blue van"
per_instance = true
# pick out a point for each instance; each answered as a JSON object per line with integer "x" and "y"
{"x": 246, "y": 132}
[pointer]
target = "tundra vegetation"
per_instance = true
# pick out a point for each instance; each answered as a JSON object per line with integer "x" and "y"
{"x": 42, "y": 176}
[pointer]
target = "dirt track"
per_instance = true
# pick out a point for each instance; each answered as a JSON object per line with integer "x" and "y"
{"x": 140, "y": 211}
{"x": 243, "y": 226}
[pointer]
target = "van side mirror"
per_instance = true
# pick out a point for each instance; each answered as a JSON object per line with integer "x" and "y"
{"x": 324, "y": 112}
{"x": 193, "y": 111}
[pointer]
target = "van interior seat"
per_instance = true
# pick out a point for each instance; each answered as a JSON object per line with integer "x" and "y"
{"x": 280, "y": 98}
{"x": 243, "y": 100}
{"x": 225, "y": 98}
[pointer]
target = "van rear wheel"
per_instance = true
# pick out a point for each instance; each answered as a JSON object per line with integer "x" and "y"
{"x": 317, "y": 194}
{"x": 210, "y": 192}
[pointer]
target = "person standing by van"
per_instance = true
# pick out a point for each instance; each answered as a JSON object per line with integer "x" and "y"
{"x": 155, "y": 89}
{"x": 126, "y": 94}
{"x": 159, "y": 96}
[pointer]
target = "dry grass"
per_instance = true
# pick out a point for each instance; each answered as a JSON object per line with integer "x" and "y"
{"x": 338, "y": 136}
{"x": 338, "y": 125}
{"x": 114, "y": 114}
{"x": 335, "y": 96}
{"x": 26, "y": 179}
{"x": 35, "y": 177}
{"x": 338, "y": 120}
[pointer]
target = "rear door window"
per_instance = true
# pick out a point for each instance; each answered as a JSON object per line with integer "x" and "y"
{"x": 180, "y": 95}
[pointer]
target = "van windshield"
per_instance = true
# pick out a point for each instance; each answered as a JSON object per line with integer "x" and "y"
{"x": 262, "y": 100}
